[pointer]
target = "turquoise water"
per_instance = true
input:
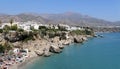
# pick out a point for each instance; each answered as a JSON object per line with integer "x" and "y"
{"x": 96, "y": 53}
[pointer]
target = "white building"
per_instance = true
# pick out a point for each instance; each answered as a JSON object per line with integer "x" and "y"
{"x": 76, "y": 28}
{"x": 25, "y": 52}
{"x": 67, "y": 27}
{"x": 16, "y": 50}
{"x": 36, "y": 26}
{"x": 24, "y": 27}
{"x": 56, "y": 27}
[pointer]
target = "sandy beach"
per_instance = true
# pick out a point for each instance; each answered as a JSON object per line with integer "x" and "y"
{"x": 23, "y": 65}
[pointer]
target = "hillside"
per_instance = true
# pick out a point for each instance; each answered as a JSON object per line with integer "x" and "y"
{"x": 22, "y": 18}
{"x": 70, "y": 18}
{"x": 76, "y": 19}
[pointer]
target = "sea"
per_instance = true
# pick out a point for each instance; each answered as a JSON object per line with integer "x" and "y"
{"x": 96, "y": 53}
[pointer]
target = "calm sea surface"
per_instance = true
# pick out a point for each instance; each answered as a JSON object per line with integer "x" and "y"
{"x": 96, "y": 53}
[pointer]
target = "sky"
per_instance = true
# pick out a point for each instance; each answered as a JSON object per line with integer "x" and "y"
{"x": 103, "y": 9}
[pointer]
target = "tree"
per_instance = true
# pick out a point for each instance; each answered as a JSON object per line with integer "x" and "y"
{"x": 6, "y": 47}
{"x": 14, "y": 27}
{"x": 62, "y": 28}
{"x": 32, "y": 28}
{"x": 42, "y": 27}
{"x": 20, "y": 30}
{"x": 6, "y": 28}
{"x": 11, "y": 22}
{"x": 0, "y": 22}
{"x": 2, "y": 49}
{"x": 1, "y": 30}
{"x": 89, "y": 31}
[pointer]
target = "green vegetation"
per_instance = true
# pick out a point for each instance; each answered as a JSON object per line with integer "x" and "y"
{"x": 14, "y": 27}
{"x": 50, "y": 32}
{"x": 87, "y": 31}
{"x": 2, "y": 49}
{"x": 5, "y": 47}
{"x": 20, "y": 30}
{"x": 11, "y": 21}
{"x": 53, "y": 33}
{"x": 61, "y": 28}
{"x": 62, "y": 36}
{"x": 32, "y": 28}
{"x": 25, "y": 36}
{"x": 78, "y": 32}
{"x": 42, "y": 27}
{"x": 0, "y": 21}
{"x": 6, "y": 28}
{"x": 1, "y": 30}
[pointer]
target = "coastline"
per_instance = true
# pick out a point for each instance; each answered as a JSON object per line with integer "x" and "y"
{"x": 27, "y": 62}
{"x": 27, "y": 45}
{"x": 82, "y": 52}
{"x": 34, "y": 56}
{"x": 23, "y": 65}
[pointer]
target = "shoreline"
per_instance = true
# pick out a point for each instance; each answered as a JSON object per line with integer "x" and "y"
{"x": 24, "y": 45}
{"x": 33, "y": 57}
{"x": 27, "y": 62}
{"x": 56, "y": 49}
{"x": 23, "y": 65}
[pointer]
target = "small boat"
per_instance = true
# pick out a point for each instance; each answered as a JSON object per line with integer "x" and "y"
{"x": 100, "y": 36}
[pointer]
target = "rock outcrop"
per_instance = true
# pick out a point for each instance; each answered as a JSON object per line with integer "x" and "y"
{"x": 55, "y": 49}
{"x": 79, "y": 39}
{"x": 12, "y": 36}
{"x": 42, "y": 47}
{"x": 39, "y": 53}
{"x": 46, "y": 52}
{"x": 61, "y": 46}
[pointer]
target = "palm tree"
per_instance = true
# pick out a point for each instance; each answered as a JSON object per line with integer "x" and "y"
{"x": 11, "y": 22}
{"x": 0, "y": 22}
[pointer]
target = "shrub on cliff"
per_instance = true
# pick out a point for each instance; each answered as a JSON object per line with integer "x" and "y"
{"x": 27, "y": 36}
{"x": 62, "y": 36}
{"x": 2, "y": 49}
{"x": 61, "y": 28}
{"x": 14, "y": 27}
{"x": 6, "y": 28}
{"x": 20, "y": 30}
{"x": 5, "y": 47}
{"x": 51, "y": 33}
{"x": 1, "y": 30}
{"x": 89, "y": 31}
{"x": 78, "y": 32}
{"x": 42, "y": 28}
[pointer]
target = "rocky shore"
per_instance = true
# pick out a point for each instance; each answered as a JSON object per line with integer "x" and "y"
{"x": 42, "y": 47}
{"x": 21, "y": 46}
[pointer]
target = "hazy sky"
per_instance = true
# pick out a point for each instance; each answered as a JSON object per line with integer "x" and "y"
{"x": 104, "y": 9}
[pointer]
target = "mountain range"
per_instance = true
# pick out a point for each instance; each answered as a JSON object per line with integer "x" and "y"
{"x": 70, "y": 18}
